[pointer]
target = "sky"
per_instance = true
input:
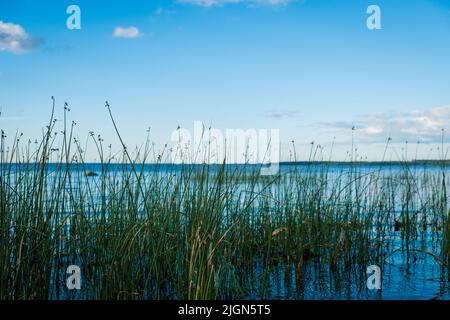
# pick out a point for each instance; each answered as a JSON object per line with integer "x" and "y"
{"x": 310, "y": 68}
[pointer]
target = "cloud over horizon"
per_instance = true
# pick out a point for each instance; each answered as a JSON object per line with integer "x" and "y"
{"x": 210, "y": 3}
{"x": 127, "y": 32}
{"x": 14, "y": 38}
{"x": 423, "y": 125}
{"x": 280, "y": 114}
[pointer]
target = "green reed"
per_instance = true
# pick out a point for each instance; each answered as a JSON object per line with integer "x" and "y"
{"x": 196, "y": 231}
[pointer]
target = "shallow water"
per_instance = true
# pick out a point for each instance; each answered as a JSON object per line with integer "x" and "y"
{"x": 409, "y": 271}
{"x": 405, "y": 276}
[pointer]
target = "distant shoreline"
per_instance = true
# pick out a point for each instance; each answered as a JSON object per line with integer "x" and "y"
{"x": 282, "y": 163}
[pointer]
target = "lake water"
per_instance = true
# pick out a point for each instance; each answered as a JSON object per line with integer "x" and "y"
{"x": 408, "y": 272}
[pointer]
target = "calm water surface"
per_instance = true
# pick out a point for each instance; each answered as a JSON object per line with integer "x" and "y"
{"x": 406, "y": 274}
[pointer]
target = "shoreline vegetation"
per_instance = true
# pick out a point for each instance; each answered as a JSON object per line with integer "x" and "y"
{"x": 418, "y": 162}
{"x": 198, "y": 234}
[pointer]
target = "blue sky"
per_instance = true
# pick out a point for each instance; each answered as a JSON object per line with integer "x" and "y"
{"x": 310, "y": 68}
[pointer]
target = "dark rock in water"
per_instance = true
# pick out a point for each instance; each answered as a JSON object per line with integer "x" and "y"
{"x": 90, "y": 174}
{"x": 397, "y": 225}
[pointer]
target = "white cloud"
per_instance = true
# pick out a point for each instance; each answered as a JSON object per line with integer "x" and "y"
{"x": 280, "y": 114}
{"x": 15, "y": 39}
{"x": 210, "y": 3}
{"x": 160, "y": 11}
{"x": 129, "y": 32}
{"x": 425, "y": 125}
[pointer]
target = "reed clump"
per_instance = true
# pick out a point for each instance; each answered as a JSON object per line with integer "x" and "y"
{"x": 142, "y": 229}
